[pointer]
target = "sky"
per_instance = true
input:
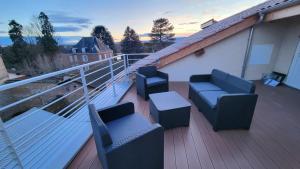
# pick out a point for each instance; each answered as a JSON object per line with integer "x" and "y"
{"x": 78, "y": 17}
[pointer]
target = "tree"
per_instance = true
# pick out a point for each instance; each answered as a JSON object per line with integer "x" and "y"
{"x": 131, "y": 42}
{"x": 46, "y": 40}
{"x": 161, "y": 34}
{"x": 18, "y": 49}
{"x": 102, "y": 33}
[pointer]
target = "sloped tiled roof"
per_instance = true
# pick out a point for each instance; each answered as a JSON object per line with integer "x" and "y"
{"x": 92, "y": 45}
{"x": 217, "y": 27}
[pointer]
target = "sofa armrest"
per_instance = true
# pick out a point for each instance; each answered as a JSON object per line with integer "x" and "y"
{"x": 116, "y": 111}
{"x": 235, "y": 110}
{"x": 149, "y": 142}
{"x": 200, "y": 78}
{"x": 163, "y": 75}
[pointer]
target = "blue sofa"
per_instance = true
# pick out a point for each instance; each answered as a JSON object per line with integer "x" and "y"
{"x": 125, "y": 139}
{"x": 149, "y": 80}
{"x": 228, "y": 102}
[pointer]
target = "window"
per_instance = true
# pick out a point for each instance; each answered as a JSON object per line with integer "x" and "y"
{"x": 85, "y": 58}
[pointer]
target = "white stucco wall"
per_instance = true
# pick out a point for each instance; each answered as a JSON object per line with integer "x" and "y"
{"x": 227, "y": 55}
{"x": 3, "y": 71}
{"x": 288, "y": 47}
{"x": 265, "y": 34}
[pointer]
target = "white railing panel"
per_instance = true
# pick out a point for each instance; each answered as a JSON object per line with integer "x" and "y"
{"x": 37, "y": 137}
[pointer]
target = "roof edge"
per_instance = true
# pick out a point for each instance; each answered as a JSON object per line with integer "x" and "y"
{"x": 210, "y": 40}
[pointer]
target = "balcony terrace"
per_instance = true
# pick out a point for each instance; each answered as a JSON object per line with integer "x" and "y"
{"x": 272, "y": 142}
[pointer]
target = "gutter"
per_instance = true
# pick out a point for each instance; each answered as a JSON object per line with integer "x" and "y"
{"x": 249, "y": 43}
{"x": 278, "y": 7}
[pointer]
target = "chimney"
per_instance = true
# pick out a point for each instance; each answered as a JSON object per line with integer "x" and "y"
{"x": 208, "y": 23}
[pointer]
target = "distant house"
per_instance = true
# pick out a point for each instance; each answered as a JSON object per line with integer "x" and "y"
{"x": 249, "y": 44}
{"x": 88, "y": 49}
{"x": 92, "y": 45}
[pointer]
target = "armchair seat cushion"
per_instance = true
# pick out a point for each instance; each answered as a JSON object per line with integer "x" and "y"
{"x": 153, "y": 81}
{"x": 211, "y": 97}
{"x": 127, "y": 126}
{"x": 204, "y": 86}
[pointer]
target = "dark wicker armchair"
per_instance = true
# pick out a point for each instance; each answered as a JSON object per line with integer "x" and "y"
{"x": 125, "y": 139}
{"x": 150, "y": 80}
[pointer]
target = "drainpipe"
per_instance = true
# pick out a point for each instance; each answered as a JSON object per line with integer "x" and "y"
{"x": 249, "y": 44}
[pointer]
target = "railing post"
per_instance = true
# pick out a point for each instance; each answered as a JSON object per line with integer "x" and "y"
{"x": 125, "y": 58}
{"x": 6, "y": 139}
{"x": 112, "y": 76}
{"x": 84, "y": 85}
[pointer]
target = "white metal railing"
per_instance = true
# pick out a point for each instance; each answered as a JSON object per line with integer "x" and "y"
{"x": 26, "y": 146}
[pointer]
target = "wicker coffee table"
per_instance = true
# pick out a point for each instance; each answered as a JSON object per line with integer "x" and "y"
{"x": 170, "y": 109}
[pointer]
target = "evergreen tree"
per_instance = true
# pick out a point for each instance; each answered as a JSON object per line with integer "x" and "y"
{"x": 161, "y": 34}
{"x": 18, "y": 49}
{"x": 46, "y": 40}
{"x": 102, "y": 33}
{"x": 131, "y": 42}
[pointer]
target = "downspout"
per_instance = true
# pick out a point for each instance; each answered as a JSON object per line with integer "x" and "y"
{"x": 249, "y": 44}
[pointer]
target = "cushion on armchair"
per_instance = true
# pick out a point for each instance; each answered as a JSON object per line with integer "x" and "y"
{"x": 148, "y": 71}
{"x": 152, "y": 81}
{"x": 128, "y": 126}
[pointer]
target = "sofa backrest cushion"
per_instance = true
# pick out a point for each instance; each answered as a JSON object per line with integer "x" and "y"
{"x": 237, "y": 85}
{"x": 148, "y": 71}
{"x": 218, "y": 78}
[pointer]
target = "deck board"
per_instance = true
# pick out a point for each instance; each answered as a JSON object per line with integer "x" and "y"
{"x": 272, "y": 142}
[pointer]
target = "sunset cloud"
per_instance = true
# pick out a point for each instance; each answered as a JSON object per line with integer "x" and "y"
{"x": 189, "y": 23}
{"x": 67, "y": 29}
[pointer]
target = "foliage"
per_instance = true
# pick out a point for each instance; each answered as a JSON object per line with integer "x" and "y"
{"x": 26, "y": 53}
{"x": 131, "y": 42}
{"x": 46, "y": 40}
{"x": 17, "y": 53}
{"x": 161, "y": 34}
{"x": 102, "y": 33}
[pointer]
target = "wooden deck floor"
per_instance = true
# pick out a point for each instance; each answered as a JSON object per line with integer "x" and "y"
{"x": 272, "y": 142}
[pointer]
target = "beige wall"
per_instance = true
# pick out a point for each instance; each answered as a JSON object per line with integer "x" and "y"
{"x": 227, "y": 55}
{"x": 284, "y": 35}
{"x": 265, "y": 33}
{"x": 3, "y": 71}
{"x": 288, "y": 47}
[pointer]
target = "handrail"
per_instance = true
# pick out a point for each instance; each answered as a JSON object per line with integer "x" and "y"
{"x": 116, "y": 69}
{"x": 36, "y": 95}
{"x": 45, "y": 76}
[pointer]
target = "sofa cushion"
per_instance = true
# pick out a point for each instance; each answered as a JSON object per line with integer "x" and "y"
{"x": 153, "y": 81}
{"x": 204, "y": 86}
{"x": 211, "y": 97}
{"x": 218, "y": 78}
{"x": 237, "y": 85}
{"x": 127, "y": 126}
{"x": 148, "y": 71}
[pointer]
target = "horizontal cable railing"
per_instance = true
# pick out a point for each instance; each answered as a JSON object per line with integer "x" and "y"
{"x": 37, "y": 125}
